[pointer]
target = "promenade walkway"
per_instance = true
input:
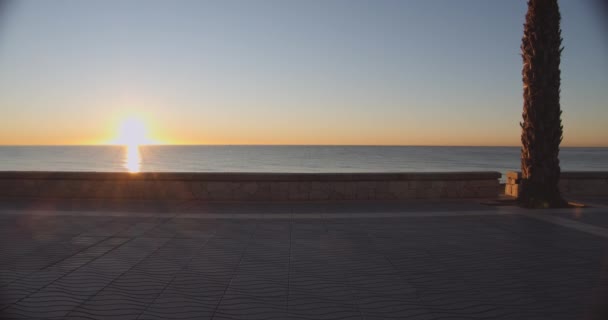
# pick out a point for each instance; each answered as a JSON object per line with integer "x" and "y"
{"x": 410, "y": 260}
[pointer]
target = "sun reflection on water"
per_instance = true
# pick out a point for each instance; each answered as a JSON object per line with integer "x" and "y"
{"x": 132, "y": 158}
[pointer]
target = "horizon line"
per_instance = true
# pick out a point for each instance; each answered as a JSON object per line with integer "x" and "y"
{"x": 282, "y": 145}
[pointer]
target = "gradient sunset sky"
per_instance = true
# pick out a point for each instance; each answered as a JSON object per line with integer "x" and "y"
{"x": 410, "y": 72}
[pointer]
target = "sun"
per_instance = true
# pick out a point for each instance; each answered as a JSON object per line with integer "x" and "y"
{"x": 133, "y": 132}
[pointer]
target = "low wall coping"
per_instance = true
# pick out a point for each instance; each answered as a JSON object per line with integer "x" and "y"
{"x": 249, "y": 176}
{"x": 569, "y": 175}
{"x": 585, "y": 174}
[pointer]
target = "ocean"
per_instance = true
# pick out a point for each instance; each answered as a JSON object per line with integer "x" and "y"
{"x": 283, "y": 158}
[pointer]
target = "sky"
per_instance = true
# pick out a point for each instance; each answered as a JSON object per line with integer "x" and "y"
{"x": 377, "y": 72}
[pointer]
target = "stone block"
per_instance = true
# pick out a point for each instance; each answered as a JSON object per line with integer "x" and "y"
{"x": 220, "y": 186}
{"x": 487, "y": 192}
{"x": 49, "y": 189}
{"x": 342, "y": 190}
{"x": 460, "y": 184}
{"x": 320, "y": 185}
{"x": 443, "y": 193}
{"x": 454, "y": 193}
{"x": 199, "y": 190}
{"x": 398, "y": 187}
{"x": 515, "y": 190}
{"x": 365, "y": 190}
{"x": 405, "y": 194}
{"x": 177, "y": 190}
{"x": 448, "y": 186}
{"x": 111, "y": 189}
{"x": 263, "y": 191}
{"x": 318, "y": 194}
{"x": 299, "y": 190}
{"x": 221, "y": 190}
{"x": 146, "y": 189}
{"x": 19, "y": 187}
{"x": 246, "y": 191}
{"x": 432, "y": 193}
{"x": 483, "y": 183}
{"x": 440, "y": 190}
{"x": 385, "y": 196}
{"x": 420, "y": 194}
{"x": 77, "y": 189}
{"x": 249, "y": 188}
{"x": 300, "y": 186}
{"x": 279, "y": 190}
{"x": 439, "y": 185}
{"x": 381, "y": 187}
{"x": 320, "y": 190}
{"x": 421, "y": 184}
{"x": 513, "y": 176}
{"x": 469, "y": 191}
{"x": 92, "y": 188}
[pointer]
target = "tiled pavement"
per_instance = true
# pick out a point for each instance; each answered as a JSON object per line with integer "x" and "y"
{"x": 431, "y": 262}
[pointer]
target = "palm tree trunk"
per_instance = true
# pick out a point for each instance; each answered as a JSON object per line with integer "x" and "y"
{"x": 541, "y": 127}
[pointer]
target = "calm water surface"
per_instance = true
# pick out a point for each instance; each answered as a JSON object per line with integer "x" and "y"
{"x": 282, "y": 158}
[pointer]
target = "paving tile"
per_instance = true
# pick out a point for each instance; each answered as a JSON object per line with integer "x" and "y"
{"x": 264, "y": 271}
{"x": 274, "y": 300}
{"x": 98, "y": 247}
{"x": 238, "y": 306}
{"x": 391, "y": 284}
{"x": 84, "y": 281}
{"x": 420, "y": 267}
{"x": 328, "y": 290}
{"x": 181, "y": 308}
{"x": 45, "y": 303}
{"x": 137, "y": 285}
{"x": 39, "y": 311}
{"x": 116, "y": 310}
{"x": 318, "y": 307}
{"x": 188, "y": 280}
{"x": 259, "y": 287}
{"x": 200, "y": 296}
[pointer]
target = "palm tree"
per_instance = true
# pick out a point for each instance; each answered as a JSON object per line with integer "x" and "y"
{"x": 542, "y": 126}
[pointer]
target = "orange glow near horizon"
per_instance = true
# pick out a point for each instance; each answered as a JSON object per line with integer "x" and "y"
{"x": 143, "y": 127}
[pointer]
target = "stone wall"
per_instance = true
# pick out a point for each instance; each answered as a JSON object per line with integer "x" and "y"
{"x": 250, "y": 186}
{"x": 572, "y": 183}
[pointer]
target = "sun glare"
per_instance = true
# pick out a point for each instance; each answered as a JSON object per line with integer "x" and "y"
{"x": 132, "y": 160}
{"x": 132, "y": 133}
